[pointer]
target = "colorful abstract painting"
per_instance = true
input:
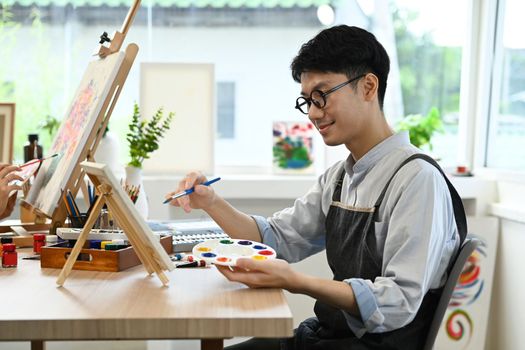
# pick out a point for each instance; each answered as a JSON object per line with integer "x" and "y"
{"x": 466, "y": 319}
{"x": 79, "y": 121}
{"x": 293, "y": 147}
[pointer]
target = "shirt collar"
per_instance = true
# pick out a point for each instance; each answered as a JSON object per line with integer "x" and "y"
{"x": 376, "y": 154}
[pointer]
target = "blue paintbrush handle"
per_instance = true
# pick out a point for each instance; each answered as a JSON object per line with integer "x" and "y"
{"x": 190, "y": 190}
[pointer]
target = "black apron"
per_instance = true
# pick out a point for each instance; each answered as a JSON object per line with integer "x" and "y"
{"x": 351, "y": 251}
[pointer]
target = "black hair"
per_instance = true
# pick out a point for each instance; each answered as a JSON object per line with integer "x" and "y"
{"x": 343, "y": 49}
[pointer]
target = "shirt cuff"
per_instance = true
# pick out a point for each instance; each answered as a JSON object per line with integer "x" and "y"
{"x": 371, "y": 317}
{"x": 266, "y": 231}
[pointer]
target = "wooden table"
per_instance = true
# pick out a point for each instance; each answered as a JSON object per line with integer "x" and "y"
{"x": 198, "y": 304}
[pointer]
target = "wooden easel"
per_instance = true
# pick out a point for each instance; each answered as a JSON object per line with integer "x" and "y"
{"x": 76, "y": 180}
{"x": 152, "y": 255}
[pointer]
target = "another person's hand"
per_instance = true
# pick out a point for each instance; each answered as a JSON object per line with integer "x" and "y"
{"x": 202, "y": 198}
{"x": 262, "y": 274}
{"x": 7, "y": 175}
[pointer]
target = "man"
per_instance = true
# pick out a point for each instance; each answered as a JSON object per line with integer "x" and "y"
{"x": 7, "y": 202}
{"x": 385, "y": 219}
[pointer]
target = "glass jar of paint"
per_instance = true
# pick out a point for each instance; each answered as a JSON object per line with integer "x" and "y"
{"x": 9, "y": 255}
{"x": 39, "y": 240}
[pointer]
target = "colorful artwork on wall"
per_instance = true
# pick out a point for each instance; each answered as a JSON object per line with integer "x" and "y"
{"x": 293, "y": 147}
{"x": 46, "y": 191}
{"x": 466, "y": 319}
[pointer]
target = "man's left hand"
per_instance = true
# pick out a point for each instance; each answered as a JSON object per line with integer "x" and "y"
{"x": 262, "y": 274}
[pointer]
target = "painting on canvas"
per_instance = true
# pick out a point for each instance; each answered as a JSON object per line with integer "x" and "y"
{"x": 79, "y": 121}
{"x": 293, "y": 147}
{"x": 465, "y": 322}
{"x": 7, "y": 130}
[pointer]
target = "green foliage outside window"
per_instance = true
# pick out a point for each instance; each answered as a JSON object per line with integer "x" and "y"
{"x": 33, "y": 84}
{"x": 430, "y": 74}
{"x": 50, "y": 124}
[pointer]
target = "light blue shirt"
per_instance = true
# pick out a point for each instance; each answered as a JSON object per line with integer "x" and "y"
{"x": 416, "y": 233}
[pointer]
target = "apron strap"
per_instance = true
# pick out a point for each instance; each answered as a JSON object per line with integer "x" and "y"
{"x": 336, "y": 196}
{"x": 459, "y": 211}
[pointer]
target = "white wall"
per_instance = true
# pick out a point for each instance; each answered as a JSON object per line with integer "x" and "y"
{"x": 508, "y": 308}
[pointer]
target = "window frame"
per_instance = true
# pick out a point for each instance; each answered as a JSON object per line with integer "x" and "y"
{"x": 487, "y": 79}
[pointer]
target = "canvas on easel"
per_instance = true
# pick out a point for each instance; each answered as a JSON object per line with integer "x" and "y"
{"x": 83, "y": 126}
{"x": 74, "y": 133}
{"x": 144, "y": 242}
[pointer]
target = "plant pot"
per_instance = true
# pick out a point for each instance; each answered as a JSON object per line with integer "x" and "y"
{"x": 134, "y": 178}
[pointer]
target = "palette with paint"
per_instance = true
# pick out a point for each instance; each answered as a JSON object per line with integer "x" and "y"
{"x": 227, "y": 251}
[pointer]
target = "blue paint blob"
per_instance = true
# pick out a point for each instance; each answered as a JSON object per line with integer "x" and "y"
{"x": 245, "y": 243}
{"x": 208, "y": 255}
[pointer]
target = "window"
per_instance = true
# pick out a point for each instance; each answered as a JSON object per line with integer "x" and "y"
{"x": 429, "y": 59}
{"x": 506, "y": 137}
{"x": 225, "y": 110}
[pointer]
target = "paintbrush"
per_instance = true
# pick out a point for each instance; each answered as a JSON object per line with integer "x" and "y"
{"x": 190, "y": 190}
{"x": 37, "y": 160}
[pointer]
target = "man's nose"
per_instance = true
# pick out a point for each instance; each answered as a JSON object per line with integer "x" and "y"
{"x": 315, "y": 113}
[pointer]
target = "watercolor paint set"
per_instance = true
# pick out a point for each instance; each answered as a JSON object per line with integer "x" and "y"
{"x": 227, "y": 251}
{"x": 92, "y": 259}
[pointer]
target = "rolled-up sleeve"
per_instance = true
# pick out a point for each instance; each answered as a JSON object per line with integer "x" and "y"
{"x": 266, "y": 231}
{"x": 420, "y": 241}
{"x": 299, "y": 231}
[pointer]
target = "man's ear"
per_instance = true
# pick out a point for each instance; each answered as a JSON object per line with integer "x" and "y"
{"x": 370, "y": 86}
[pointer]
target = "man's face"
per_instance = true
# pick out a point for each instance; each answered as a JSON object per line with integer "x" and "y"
{"x": 342, "y": 117}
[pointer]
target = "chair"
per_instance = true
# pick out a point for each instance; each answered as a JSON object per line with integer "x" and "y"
{"x": 465, "y": 251}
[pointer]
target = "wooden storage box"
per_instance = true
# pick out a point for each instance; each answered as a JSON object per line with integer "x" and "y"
{"x": 55, "y": 256}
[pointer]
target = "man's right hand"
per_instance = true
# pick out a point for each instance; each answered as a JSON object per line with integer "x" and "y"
{"x": 202, "y": 198}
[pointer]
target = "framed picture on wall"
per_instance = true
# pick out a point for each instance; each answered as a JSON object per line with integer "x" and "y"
{"x": 293, "y": 147}
{"x": 7, "y": 131}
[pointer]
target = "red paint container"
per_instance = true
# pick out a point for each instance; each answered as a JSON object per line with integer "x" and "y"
{"x": 39, "y": 240}
{"x": 9, "y": 255}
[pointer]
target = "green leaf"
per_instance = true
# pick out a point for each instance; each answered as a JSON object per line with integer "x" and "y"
{"x": 144, "y": 135}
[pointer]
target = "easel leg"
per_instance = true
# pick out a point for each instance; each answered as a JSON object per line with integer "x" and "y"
{"x": 38, "y": 345}
{"x": 80, "y": 241}
{"x": 212, "y": 344}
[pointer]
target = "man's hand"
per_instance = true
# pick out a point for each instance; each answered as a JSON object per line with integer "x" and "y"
{"x": 202, "y": 198}
{"x": 279, "y": 274}
{"x": 263, "y": 274}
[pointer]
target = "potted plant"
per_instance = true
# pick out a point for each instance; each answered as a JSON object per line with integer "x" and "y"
{"x": 143, "y": 139}
{"x": 421, "y": 128}
{"x": 50, "y": 124}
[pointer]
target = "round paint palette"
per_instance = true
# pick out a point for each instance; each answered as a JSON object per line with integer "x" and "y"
{"x": 227, "y": 251}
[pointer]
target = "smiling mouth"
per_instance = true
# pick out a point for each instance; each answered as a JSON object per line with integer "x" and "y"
{"x": 324, "y": 126}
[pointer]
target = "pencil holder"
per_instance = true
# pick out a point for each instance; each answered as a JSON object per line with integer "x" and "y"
{"x": 78, "y": 221}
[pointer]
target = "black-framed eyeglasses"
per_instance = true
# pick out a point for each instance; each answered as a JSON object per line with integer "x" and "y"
{"x": 318, "y": 97}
